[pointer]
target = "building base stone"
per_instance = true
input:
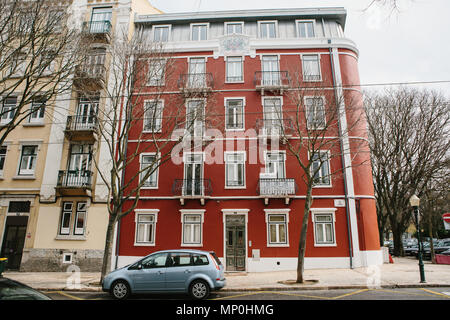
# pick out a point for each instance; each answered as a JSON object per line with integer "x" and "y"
{"x": 59, "y": 260}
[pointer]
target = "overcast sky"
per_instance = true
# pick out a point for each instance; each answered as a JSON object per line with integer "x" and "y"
{"x": 411, "y": 45}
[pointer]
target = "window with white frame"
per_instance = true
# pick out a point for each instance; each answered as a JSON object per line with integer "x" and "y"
{"x": 324, "y": 227}
{"x": 18, "y": 64}
{"x": 320, "y": 168}
{"x": 27, "y": 163}
{"x": 153, "y": 110}
{"x": 273, "y": 116}
{"x": 37, "y": 110}
{"x": 145, "y": 228}
{"x": 199, "y": 31}
{"x": 234, "y": 28}
{"x": 3, "y": 150}
{"x": 8, "y": 109}
{"x": 305, "y": 28}
{"x": 73, "y": 214}
{"x": 192, "y": 229}
{"x": 275, "y": 164}
{"x": 235, "y": 69}
{"x": 80, "y": 218}
{"x": 235, "y": 169}
{"x": 277, "y": 228}
{"x": 234, "y": 114}
{"x": 66, "y": 215}
{"x": 149, "y": 163}
{"x": 267, "y": 29}
{"x": 311, "y": 67}
{"x": 156, "y": 72}
{"x": 315, "y": 113}
{"x": 161, "y": 33}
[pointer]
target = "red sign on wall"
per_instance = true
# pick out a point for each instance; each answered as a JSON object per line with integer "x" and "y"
{"x": 446, "y": 218}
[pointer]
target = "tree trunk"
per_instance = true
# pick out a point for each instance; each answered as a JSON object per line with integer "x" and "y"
{"x": 303, "y": 233}
{"x": 430, "y": 232}
{"x": 398, "y": 243}
{"x": 106, "y": 266}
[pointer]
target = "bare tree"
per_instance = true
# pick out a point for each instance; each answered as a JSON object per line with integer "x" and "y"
{"x": 38, "y": 54}
{"x": 409, "y": 143}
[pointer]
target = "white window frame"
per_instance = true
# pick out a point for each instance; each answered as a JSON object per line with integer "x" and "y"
{"x": 329, "y": 185}
{"x": 75, "y": 209}
{"x": 305, "y": 76}
{"x": 40, "y": 112}
{"x": 162, "y": 26}
{"x": 145, "y": 212}
{"x": 76, "y": 230}
{"x": 269, "y": 212}
{"x": 242, "y": 69}
{"x": 297, "y": 27}
{"x": 28, "y": 172}
{"x": 187, "y": 212}
{"x": 236, "y": 164}
{"x": 206, "y": 24}
{"x": 233, "y": 23}
{"x": 7, "y": 115}
{"x": 266, "y": 153}
{"x": 3, "y": 158}
{"x": 310, "y": 126}
{"x": 226, "y": 113}
{"x": 157, "y": 128}
{"x": 203, "y": 123}
{"x": 160, "y": 81}
{"x": 65, "y": 231}
{"x": 263, "y": 103}
{"x": 156, "y": 172}
{"x": 266, "y": 22}
{"x": 324, "y": 211}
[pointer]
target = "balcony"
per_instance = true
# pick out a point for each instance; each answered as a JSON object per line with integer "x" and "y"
{"x": 276, "y": 188}
{"x": 192, "y": 189}
{"x": 74, "y": 182}
{"x": 98, "y": 30}
{"x": 196, "y": 84}
{"x": 269, "y": 128}
{"x": 272, "y": 81}
{"x": 81, "y": 128}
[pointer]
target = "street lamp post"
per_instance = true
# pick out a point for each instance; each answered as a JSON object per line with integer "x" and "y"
{"x": 414, "y": 201}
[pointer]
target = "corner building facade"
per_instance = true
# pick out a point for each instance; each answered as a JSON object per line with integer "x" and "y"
{"x": 248, "y": 207}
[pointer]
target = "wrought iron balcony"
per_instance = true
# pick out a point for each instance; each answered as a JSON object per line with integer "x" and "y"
{"x": 277, "y": 188}
{"x": 91, "y": 74}
{"x": 74, "y": 182}
{"x": 192, "y": 188}
{"x": 275, "y": 81}
{"x": 82, "y": 127}
{"x": 101, "y": 30}
{"x": 196, "y": 83}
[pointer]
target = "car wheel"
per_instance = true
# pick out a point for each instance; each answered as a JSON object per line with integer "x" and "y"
{"x": 120, "y": 290}
{"x": 199, "y": 289}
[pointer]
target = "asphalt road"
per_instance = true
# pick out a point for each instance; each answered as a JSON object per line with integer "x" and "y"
{"x": 441, "y": 293}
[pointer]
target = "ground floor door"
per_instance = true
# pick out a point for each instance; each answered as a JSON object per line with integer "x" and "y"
{"x": 235, "y": 250}
{"x": 14, "y": 240}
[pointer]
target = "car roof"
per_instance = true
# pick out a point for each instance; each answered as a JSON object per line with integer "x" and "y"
{"x": 182, "y": 250}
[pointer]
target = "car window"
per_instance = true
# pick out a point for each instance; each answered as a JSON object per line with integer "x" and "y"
{"x": 179, "y": 259}
{"x": 155, "y": 261}
{"x": 15, "y": 291}
{"x": 200, "y": 259}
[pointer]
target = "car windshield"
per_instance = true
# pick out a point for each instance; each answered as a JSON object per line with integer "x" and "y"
{"x": 14, "y": 291}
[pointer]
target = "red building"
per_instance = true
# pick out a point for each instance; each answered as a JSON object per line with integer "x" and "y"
{"x": 233, "y": 72}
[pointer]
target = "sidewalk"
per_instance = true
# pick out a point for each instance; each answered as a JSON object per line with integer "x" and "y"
{"x": 404, "y": 272}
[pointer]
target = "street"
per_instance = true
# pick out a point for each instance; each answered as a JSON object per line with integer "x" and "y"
{"x": 438, "y": 293}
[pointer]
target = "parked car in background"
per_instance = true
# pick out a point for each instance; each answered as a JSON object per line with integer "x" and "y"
{"x": 194, "y": 272}
{"x": 13, "y": 290}
{"x": 446, "y": 253}
{"x": 412, "y": 250}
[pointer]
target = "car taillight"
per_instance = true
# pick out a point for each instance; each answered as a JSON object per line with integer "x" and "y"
{"x": 215, "y": 263}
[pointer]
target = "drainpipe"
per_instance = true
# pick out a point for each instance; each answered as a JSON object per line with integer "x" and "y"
{"x": 347, "y": 209}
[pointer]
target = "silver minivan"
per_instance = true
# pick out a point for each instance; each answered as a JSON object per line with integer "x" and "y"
{"x": 195, "y": 272}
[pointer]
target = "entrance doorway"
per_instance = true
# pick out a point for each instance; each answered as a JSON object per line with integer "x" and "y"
{"x": 14, "y": 240}
{"x": 235, "y": 242}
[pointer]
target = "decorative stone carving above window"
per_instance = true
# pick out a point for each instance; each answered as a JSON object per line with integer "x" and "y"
{"x": 236, "y": 45}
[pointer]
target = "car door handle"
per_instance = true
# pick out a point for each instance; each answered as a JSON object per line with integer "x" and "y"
{"x": 187, "y": 271}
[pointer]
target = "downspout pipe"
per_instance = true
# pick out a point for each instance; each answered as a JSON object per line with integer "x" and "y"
{"x": 347, "y": 209}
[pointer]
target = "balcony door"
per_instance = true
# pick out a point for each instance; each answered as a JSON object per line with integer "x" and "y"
{"x": 100, "y": 20}
{"x": 79, "y": 173}
{"x": 194, "y": 117}
{"x": 270, "y": 71}
{"x": 272, "y": 116}
{"x": 193, "y": 175}
{"x": 197, "y": 73}
{"x": 86, "y": 114}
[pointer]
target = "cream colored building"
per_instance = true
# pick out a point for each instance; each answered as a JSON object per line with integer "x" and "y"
{"x": 53, "y": 214}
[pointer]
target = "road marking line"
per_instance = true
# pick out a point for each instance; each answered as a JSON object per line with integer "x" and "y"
{"x": 410, "y": 293}
{"x": 351, "y": 293}
{"x": 297, "y": 295}
{"x": 69, "y": 295}
{"x": 436, "y": 293}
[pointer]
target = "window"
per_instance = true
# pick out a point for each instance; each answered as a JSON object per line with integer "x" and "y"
{"x": 161, "y": 33}
{"x": 155, "y": 261}
{"x": 199, "y": 32}
{"x": 321, "y": 168}
{"x": 193, "y": 184}
{"x": 100, "y": 20}
{"x": 28, "y": 160}
{"x": 235, "y": 70}
{"x": 277, "y": 228}
{"x": 195, "y": 117}
{"x": 275, "y": 164}
{"x": 18, "y": 64}
{"x": 180, "y": 259}
{"x": 192, "y": 229}
{"x": 311, "y": 67}
{"x": 315, "y": 113}
{"x": 234, "y": 114}
{"x": 200, "y": 259}
{"x": 305, "y": 28}
{"x": 149, "y": 162}
{"x": 8, "y": 109}
{"x": 145, "y": 228}
{"x": 153, "y": 110}
{"x": 267, "y": 29}
{"x": 273, "y": 118}
{"x": 37, "y": 110}
{"x": 235, "y": 169}
{"x": 270, "y": 71}
{"x": 324, "y": 229}
{"x": 197, "y": 73}
{"x": 47, "y": 61}
{"x": 3, "y": 150}
{"x": 234, "y": 28}
{"x": 73, "y": 213}
{"x": 156, "y": 72}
